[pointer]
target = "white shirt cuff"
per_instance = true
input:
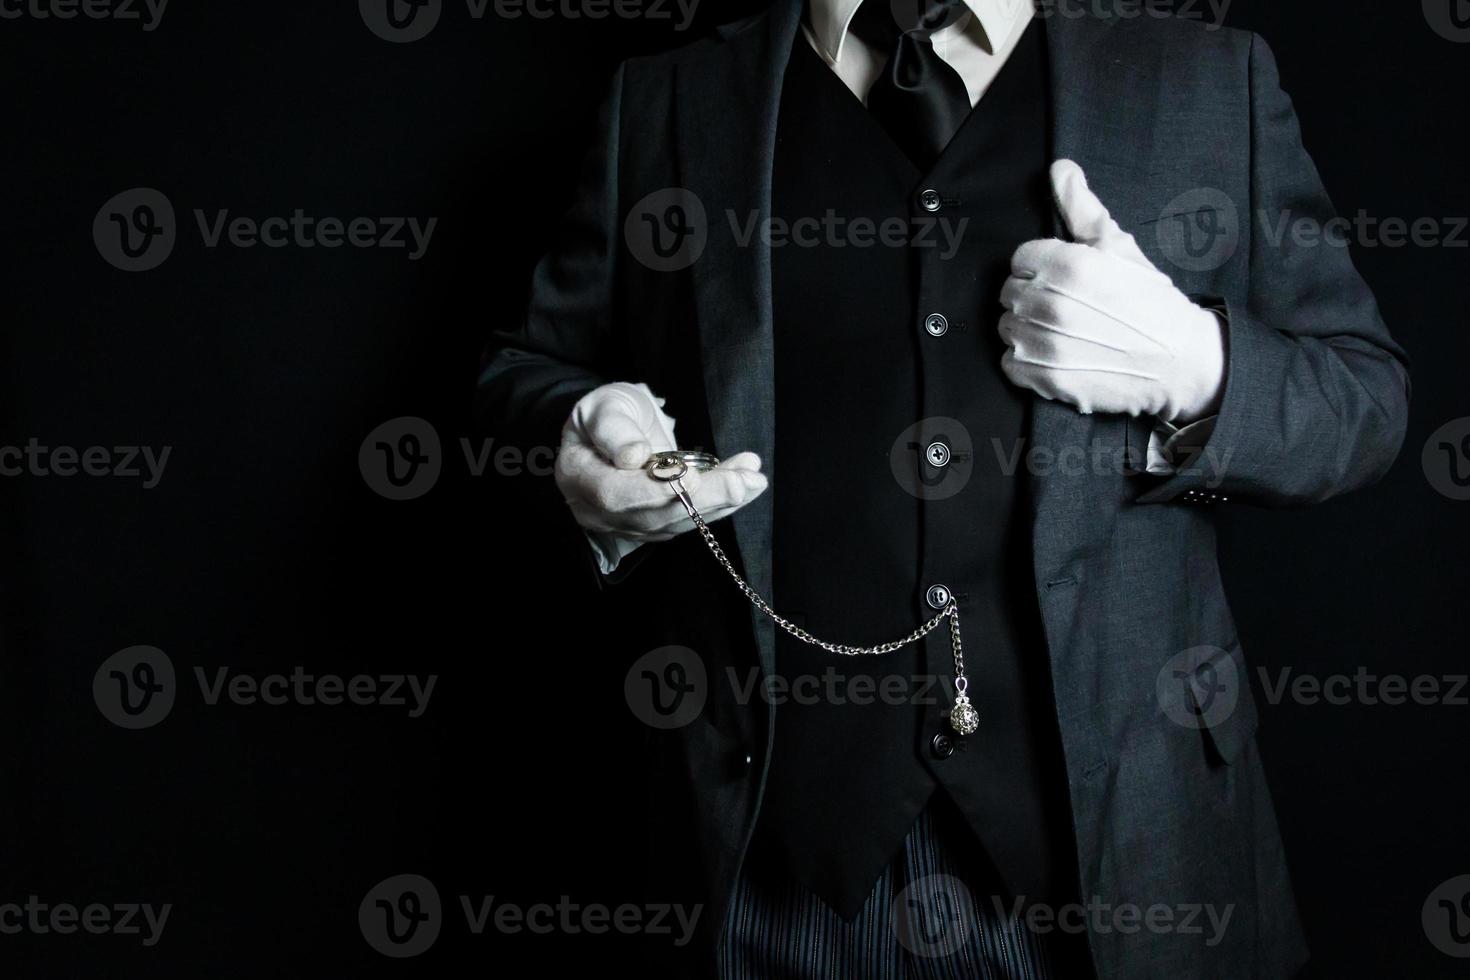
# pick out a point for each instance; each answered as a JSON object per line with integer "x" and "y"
{"x": 610, "y": 549}
{"x": 1167, "y": 437}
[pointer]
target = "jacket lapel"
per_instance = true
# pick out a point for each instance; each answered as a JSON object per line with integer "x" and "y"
{"x": 725, "y": 112}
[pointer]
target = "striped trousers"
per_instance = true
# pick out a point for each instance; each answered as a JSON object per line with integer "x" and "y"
{"x": 932, "y": 916}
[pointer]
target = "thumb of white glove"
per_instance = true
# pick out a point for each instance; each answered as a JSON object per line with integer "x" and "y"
{"x": 1088, "y": 219}
{"x": 1096, "y": 324}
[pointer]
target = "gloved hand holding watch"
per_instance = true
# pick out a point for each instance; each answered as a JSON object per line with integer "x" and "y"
{"x": 606, "y": 443}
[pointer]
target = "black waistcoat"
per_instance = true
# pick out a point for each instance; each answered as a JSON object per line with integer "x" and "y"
{"x": 895, "y": 429}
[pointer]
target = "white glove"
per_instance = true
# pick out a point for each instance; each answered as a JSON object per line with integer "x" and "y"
{"x": 1097, "y": 325}
{"x": 599, "y": 469}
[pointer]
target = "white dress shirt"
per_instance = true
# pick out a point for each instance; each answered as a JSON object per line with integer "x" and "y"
{"x": 976, "y": 46}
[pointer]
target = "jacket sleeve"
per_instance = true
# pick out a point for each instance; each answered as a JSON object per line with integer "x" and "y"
{"x": 534, "y": 373}
{"x": 1316, "y": 397}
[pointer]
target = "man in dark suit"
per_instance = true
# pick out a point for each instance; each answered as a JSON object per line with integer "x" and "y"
{"x": 1012, "y": 411}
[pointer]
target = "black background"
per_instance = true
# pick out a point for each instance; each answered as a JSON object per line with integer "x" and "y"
{"x": 262, "y": 548}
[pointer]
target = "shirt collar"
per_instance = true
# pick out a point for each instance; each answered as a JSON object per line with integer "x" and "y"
{"x": 829, "y": 19}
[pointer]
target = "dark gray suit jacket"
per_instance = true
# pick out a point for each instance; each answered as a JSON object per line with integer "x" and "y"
{"x": 1126, "y": 573}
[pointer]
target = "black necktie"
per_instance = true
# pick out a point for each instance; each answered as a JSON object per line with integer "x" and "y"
{"x": 919, "y": 98}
